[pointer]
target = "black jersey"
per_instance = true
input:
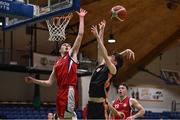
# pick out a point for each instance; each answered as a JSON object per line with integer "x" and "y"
{"x": 100, "y": 82}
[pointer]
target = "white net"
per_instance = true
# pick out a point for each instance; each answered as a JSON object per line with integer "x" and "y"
{"x": 57, "y": 26}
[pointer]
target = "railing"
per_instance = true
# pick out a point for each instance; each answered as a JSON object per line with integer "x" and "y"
{"x": 20, "y": 57}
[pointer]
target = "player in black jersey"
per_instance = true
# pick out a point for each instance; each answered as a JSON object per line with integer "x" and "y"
{"x": 101, "y": 78}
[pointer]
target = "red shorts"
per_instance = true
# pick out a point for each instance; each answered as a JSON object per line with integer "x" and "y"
{"x": 66, "y": 100}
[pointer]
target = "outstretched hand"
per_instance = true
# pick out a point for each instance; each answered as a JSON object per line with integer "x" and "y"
{"x": 28, "y": 80}
{"x": 129, "y": 54}
{"x": 94, "y": 30}
{"x": 82, "y": 12}
{"x": 102, "y": 24}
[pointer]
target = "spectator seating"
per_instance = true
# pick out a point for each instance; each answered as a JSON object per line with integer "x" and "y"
{"x": 29, "y": 112}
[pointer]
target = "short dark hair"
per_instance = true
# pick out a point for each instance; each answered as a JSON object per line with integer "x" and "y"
{"x": 60, "y": 44}
{"x": 119, "y": 59}
{"x": 124, "y": 84}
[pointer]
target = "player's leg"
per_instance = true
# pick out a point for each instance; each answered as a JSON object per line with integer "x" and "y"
{"x": 61, "y": 102}
{"x": 70, "y": 113}
{"x": 96, "y": 110}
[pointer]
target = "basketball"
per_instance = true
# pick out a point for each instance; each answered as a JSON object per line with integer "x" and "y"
{"x": 119, "y": 12}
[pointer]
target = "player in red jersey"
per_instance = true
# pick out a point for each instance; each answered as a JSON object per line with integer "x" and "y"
{"x": 125, "y": 105}
{"x": 64, "y": 72}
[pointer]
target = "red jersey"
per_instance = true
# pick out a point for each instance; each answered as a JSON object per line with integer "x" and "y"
{"x": 66, "y": 71}
{"x": 122, "y": 106}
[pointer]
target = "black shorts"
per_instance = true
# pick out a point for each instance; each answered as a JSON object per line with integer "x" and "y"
{"x": 96, "y": 110}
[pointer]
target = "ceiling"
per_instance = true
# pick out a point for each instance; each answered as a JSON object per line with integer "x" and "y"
{"x": 151, "y": 27}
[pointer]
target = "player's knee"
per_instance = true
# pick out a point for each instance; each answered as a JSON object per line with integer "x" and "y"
{"x": 69, "y": 115}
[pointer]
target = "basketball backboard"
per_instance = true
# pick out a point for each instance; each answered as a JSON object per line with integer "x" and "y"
{"x": 16, "y": 13}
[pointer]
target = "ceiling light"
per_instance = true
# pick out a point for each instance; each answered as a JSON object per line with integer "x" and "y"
{"x": 111, "y": 39}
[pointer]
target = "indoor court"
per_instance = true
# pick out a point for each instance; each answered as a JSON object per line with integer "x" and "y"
{"x": 32, "y": 33}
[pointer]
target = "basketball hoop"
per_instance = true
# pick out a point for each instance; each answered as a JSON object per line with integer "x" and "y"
{"x": 57, "y": 26}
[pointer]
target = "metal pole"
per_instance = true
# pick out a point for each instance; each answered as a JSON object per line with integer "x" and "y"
{"x": 35, "y": 38}
{"x": 49, "y": 5}
{"x": 4, "y": 49}
{"x": 36, "y": 99}
{"x": 31, "y": 50}
{"x": 11, "y": 47}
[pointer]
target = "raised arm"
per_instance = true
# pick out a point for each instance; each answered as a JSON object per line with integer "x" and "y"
{"x": 45, "y": 83}
{"x": 75, "y": 48}
{"x": 102, "y": 25}
{"x": 103, "y": 50}
{"x": 137, "y": 105}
